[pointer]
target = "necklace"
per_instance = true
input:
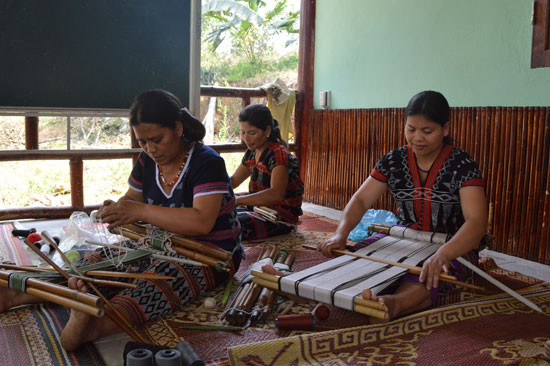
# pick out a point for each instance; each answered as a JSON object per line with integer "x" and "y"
{"x": 175, "y": 179}
{"x": 422, "y": 170}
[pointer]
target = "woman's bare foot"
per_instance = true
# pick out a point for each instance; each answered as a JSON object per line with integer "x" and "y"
{"x": 10, "y": 298}
{"x": 78, "y": 330}
{"x": 389, "y": 305}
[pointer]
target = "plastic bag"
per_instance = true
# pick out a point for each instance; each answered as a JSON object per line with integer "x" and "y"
{"x": 372, "y": 216}
{"x": 79, "y": 229}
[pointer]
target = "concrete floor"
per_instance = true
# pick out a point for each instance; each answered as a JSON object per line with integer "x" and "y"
{"x": 111, "y": 348}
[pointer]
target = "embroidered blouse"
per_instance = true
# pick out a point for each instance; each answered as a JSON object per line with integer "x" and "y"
{"x": 434, "y": 205}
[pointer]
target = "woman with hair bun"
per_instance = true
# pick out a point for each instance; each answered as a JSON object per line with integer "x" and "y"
{"x": 274, "y": 176}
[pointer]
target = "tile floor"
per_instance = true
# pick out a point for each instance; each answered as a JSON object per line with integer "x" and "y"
{"x": 111, "y": 348}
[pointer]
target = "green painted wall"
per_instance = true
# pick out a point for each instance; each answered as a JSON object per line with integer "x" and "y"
{"x": 379, "y": 53}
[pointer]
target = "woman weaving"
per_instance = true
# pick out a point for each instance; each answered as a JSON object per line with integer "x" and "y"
{"x": 438, "y": 188}
{"x": 274, "y": 176}
{"x": 178, "y": 185}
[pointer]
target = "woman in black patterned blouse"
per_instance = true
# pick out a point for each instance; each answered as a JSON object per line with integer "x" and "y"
{"x": 437, "y": 187}
{"x": 274, "y": 176}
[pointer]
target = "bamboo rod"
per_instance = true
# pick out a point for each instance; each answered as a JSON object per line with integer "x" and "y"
{"x": 186, "y": 243}
{"x": 110, "y": 310}
{"x": 375, "y": 313}
{"x": 60, "y": 290}
{"x": 136, "y": 276}
{"x": 443, "y": 277}
{"x": 61, "y": 300}
{"x": 183, "y": 251}
{"x": 201, "y": 258}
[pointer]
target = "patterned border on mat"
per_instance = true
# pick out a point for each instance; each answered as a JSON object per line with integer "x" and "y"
{"x": 30, "y": 336}
{"x": 11, "y": 249}
{"x": 311, "y": 348}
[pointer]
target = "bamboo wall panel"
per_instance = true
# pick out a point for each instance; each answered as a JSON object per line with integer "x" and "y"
{"x": 510, "y": 144}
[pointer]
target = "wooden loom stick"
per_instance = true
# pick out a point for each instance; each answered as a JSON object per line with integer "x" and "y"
{"x": 153, "y": 254}
{"x": 61, "y": 300}
{"x": 187, "y": 243}
{"x": 60, "y": 290}
{"x": 412, "y": 269}
{"x": 111, "y": 311}
{"x": 66, "y": 275}
{"x": 499, "y": 284}
{"x": 135, "y": 276}
{"x": 185, "y": 252}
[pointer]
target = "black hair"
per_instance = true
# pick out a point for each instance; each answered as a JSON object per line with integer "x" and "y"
{"x": 259, "y": 116}
{"x": 431, "y": 105}
{"x": 164, "y": 108}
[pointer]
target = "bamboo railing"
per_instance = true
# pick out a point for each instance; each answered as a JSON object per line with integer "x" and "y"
{"x": 510, "y": 144}
{"x": 76, "y": 157}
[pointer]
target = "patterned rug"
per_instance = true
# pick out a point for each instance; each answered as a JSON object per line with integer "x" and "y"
{"x": 212, "y": 346}
{"x": 11, "y": 248}
{"x": 30, "y": 336}
{"x": 496, "y": 330}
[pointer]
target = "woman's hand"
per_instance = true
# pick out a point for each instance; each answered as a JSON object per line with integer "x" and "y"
{"x": 120, "y": 213}
{"x": 337, "y": 242}
{"x": 432, "y": 268}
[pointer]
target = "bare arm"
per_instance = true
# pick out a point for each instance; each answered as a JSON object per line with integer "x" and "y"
{"x": 474, "y": 208}
{"x": 272, "y": 195}
{"x": 196, "y": 220}
{"x": 239, "y": 176}
{"x": 359, "y": 203}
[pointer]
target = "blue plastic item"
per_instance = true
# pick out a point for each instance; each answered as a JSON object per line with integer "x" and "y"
{"x": 372, "y": 216}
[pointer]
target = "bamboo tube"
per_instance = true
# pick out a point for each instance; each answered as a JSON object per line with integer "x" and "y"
{"x": 183, "y": 251}
{"x": 187, "y": 243}
{"x": 375, "y": 313}
{"x": 61, "y": 300}
{"x": 136, "y": 276}
{"x": 201, "y": 258}
{"x": 60, "y": 290}
{"x": 203, "y": 248}
{"x": 231, "y": 314}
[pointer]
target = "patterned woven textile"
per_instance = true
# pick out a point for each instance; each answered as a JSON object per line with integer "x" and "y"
{"x": 496, "y": 330}
{"x": 212, "y": 346}
{"x": 30, "y": 336}
{"x": 11, "y": 248}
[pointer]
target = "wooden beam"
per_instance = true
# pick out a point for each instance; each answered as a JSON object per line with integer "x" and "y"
{"x": 305, "y": 76}
{"x": 77, "y": 183}
{"x": 31, "y": 133}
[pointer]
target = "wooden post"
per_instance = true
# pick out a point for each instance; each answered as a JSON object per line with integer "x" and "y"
{"x": 77, "y": 183}
{"x": 305, "y": 76}
{"x": 31, "y": 133}
{"x": 245, "y": 101}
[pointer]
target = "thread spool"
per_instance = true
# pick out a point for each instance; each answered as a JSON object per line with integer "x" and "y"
{"x": 188, "y": 355}
{"x": 139, "y": 357}
{"x": 322, "y": 312}
{"x": 45, "y": 248}
{"x": 168, "y": 357}
{"x": 296, "y": 322}
{"x": 34, "y": 237}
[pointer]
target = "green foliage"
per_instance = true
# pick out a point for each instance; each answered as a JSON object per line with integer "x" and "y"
{"x": 246, "y": 22}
